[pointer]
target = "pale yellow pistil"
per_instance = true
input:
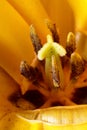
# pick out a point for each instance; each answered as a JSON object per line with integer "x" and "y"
{"x": 50, "y": 51}
{"x": 51, "y": 48}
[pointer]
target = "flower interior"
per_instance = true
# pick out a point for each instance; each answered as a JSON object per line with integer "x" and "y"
{"x": 57, "y": 75}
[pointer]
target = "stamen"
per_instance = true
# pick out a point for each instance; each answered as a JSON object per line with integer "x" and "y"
{"x": 71, "y": 44}
{"x": 31, "y": 73}
{"x": 52, "y": 28}
{"x": 35, "y": 39}
{"x": 77, "y": 65}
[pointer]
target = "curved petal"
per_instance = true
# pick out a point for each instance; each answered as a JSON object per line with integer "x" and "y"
{"x": 80, "y": 13}
{"x": 33, "y": 13}
{"x": 15, "y": 44}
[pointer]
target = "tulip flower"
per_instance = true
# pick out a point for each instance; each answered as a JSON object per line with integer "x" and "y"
{"x": 16, "y": 16}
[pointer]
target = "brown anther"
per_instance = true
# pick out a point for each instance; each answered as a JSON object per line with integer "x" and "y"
{"x": 71, "y": 44}
{"x": 77, "y": 65}
{"x": 29, "y": 72}
{"x": 35, "y": 39}
{"x": 52, "y": 28}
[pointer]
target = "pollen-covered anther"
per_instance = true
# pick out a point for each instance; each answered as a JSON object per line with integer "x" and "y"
{"x": 30, "y": 72}
{"x": 70, "y": 44}
{"x": 35, "y": 39}
{"x": 53, "y": 29}
{"x": 77, "y": 65}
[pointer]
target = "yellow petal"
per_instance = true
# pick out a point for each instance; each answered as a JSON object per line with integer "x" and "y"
{"x": 12, "y": 121}
{"x": 33, "y": 13}
{"x": 15, "y": 44}
{"x": 80, "y": 13}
